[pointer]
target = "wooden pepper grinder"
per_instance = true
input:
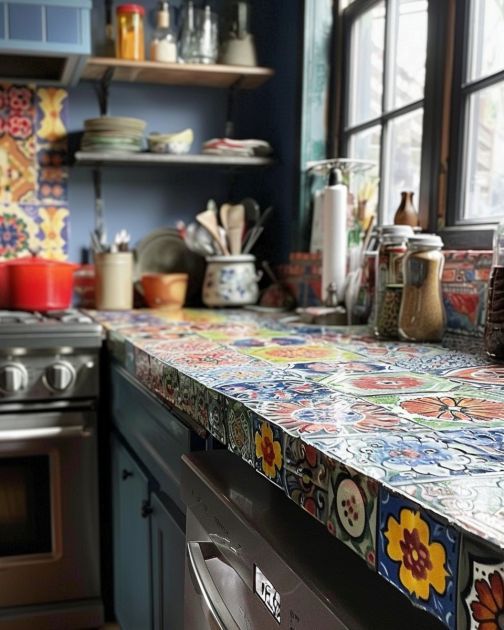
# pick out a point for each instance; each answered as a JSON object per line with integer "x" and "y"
{"x": 406, "y": 213}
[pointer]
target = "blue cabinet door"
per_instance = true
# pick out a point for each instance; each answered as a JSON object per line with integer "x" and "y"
{"x": 168, "y": 547}
{"x": 130, "y": 495}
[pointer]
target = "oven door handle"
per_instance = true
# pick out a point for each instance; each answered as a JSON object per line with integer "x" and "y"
{"x": 14, "y": 435}
{"x": 211, "y": 599}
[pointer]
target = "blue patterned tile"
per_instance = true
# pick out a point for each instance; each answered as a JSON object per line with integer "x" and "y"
{"x": 269, "y": 450}
{"x": 418, "y": 555}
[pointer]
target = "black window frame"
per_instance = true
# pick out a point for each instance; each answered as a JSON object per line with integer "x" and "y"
{"x": 446, "y": 19}
{"x": 457, "y": 233}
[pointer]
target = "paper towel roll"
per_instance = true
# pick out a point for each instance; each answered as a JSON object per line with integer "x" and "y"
{"x": 334, "y": 252}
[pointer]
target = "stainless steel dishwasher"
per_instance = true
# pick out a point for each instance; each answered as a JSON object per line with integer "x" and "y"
{"x": 255, "y": 560}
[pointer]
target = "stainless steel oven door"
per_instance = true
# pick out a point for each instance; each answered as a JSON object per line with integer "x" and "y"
{"x": 49, "y": 536}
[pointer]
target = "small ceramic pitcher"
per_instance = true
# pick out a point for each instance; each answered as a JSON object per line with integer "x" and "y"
{"x": 231, "y": 281}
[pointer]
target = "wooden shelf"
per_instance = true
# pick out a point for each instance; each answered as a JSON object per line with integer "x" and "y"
{"x": 219, "y": 76}
{"x": 86, "y": 158}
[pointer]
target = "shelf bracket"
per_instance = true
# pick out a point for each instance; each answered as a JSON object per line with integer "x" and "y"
{"x": 99, "y": 206}
{"x": 231, "y": 106}
{"x": 103, "y": 89}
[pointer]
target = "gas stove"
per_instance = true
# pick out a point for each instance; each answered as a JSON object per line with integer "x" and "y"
{"x": 35, "y": 329}
{"x": 48, "y": 356}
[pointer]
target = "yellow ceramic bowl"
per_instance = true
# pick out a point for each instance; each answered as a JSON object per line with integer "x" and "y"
{"x": 165, "y": 290}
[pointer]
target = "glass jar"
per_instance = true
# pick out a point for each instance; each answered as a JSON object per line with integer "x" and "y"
{"x": 164, "y": 43}
{"x": 388, "y": 276}
{"x": 130, "y": 42}
{"x": 494, "y": 326}
{"x": 422, "y": 315}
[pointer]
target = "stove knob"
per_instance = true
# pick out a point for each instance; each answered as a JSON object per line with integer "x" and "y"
{"x": 13, "y": 378}
{"x": 60, "y": 376}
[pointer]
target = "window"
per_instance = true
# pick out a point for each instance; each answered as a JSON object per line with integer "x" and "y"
{"x": 384, "y": 104}
{"x": 477, "y": 178}
{"x": 423, "y": 96}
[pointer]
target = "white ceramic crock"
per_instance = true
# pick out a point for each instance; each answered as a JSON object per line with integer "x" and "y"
{"x": 231, "y": 281}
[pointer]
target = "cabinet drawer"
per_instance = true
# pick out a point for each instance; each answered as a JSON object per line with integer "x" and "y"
{"x": 153, "y": 432}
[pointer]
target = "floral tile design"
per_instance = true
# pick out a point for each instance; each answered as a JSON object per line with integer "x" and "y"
{"x": 239, "y": 431}
{"x": 418, "y": 555}
{"x": 216, "y": 415}
{"x": 302, "y": 354}
{"x": 170, "y": 383}
{"x": 448, "y": 410}
{"x": 481, "y": 376}
{"x": 284, "y": 390}
{"x": 307, "y": 495}
{"x": 481, "y": 587}
{"x": 306, "y": 462}
{"x": 353, "y": 501}
{"x": 398, "y": 458}
{"x": 319, "y": 371}
{"x": 387, "y": 383}
{"x": 479, "y": 505}
{"x": 253, "y": 372}
{"x": 268, "y": 443}
{"x": 33, "y": 172}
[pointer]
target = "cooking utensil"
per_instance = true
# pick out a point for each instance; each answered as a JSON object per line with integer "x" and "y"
{"x": 223, "y": 215}
{"x": 208, "y": 220}
{"x": 37, "y": 284}
{"x": 236, "y": 226}
{"x": 255, "y": 233}
{"x": 252, "y": 211}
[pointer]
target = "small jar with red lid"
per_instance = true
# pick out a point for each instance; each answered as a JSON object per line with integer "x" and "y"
{"x": 130, "y": 42}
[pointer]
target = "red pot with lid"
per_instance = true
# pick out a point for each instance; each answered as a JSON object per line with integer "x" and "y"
{"x": 37, "y": 284}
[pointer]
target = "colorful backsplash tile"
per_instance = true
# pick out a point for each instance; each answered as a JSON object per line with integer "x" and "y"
{"x": 33, "y": 172}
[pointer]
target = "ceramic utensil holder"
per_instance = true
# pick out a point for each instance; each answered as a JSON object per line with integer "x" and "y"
{"x": 231, "y": 281}
{"x": 114, "y": 281}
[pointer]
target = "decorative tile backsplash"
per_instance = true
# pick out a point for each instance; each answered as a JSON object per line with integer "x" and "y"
{"x": 465, "y": 283}
{"x": 33, "y": 171}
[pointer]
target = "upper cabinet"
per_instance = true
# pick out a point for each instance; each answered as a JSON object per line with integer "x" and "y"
{"x": 44, "y": 41}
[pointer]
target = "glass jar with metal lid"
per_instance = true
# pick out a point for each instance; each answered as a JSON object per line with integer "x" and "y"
{"x": 422, "y": 315}
{"x": 389, "y": 279}
{"x": 130, "y": 42}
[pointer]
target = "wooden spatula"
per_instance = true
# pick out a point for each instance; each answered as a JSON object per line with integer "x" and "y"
{"x": 236, "y": 225}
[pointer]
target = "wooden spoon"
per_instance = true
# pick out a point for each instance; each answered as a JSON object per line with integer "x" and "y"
{"x": 208, "y": 219}
{"x": 223, "y": 214}
{"x": 236, "y": 225}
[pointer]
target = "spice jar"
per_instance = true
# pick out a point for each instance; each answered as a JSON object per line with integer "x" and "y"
{"x": 422, "y": 315}
{"x": 494, "y": 326}
{"x": 130, "y": 32}
{"x": 388, "y": 276}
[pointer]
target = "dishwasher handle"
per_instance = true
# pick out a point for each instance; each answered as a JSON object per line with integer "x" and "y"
{"x": 198, "y": 553}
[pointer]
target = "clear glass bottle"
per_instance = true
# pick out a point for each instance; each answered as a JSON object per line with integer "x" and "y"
{"x": 422, "y": 315}
{"x": 388, "y": 279}
{"x": 494, "y": 326}
{"x": 188, "y": 42}
{"x": 164, "y": 43}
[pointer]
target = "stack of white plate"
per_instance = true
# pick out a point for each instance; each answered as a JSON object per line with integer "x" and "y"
{"x": 113, "y": 134}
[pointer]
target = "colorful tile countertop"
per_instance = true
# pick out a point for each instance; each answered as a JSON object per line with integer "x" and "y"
{"x": 396, "y": 448}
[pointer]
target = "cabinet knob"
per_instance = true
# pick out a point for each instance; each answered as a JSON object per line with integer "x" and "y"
{"x": 146, "y": 509}
{"x": 125, "y": 474}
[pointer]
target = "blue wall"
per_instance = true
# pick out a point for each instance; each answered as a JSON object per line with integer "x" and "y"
{"x": 140, "y": 199}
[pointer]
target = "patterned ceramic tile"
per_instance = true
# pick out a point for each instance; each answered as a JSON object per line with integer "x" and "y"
{"x": 418, "y": 555}
{"x": 285, "y": 390}
{"x": 353, "y": 511}
{"x": 478, "y": 505}
{"x": 301, "y": 354}
{"x": 170, "y": 380}
{"x": 387, "y": 383}
{"x": 481, "y": 587}
{"x": 32, "y": 189}
{"x": 239, "y": 430}
{"x": 448, "y": 410}
{"x": 269, "y": 451}
{"x": 398, "y": 458}
{"x": 254, "y": 372}
{"x": 318, "y": 371}
{"x": 217, "y": 415}
{"x": 481, "y": 376}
